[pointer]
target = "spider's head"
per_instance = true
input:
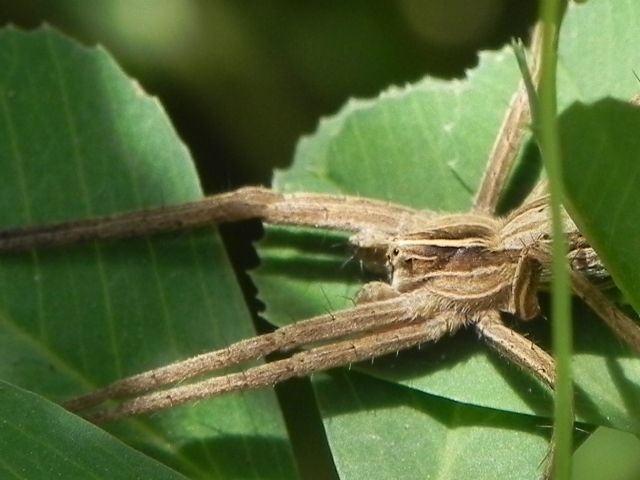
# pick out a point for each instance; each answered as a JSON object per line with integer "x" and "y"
{"x": 412, "y": 263}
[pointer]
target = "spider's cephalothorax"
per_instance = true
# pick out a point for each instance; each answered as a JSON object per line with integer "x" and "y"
{"x": 466, "y": 274}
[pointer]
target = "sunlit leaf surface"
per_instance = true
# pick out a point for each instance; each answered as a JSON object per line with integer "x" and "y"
{"x": 78, "y": 139}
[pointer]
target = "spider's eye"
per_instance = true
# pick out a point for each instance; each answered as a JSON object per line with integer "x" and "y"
{"x": 396, "y": 251}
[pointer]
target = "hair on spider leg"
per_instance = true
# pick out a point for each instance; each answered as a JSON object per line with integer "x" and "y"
{"x": 352, "y": 299}
{"x": 328, "y": 307}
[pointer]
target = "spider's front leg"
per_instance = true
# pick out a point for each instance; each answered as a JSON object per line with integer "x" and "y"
{"x": 387, "y": 313}
{"x": 383, "y": 321}
{"x": 337, "y": 212}
{"x": 300, "y": 364}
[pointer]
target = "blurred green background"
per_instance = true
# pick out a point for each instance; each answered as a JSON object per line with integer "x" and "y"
{"x": 243, "y": 80}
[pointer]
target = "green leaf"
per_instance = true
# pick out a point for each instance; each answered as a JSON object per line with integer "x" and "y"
{"x": 67, "y": 447}
{"x": 600, "y": 158}
{"x": 597, "y": 53}
{"x": 602, "y": 182}
{"x": 425, "y": 145}
{"x": 79, "y": 139}
{"x": 608, "y": 454}
{"x": 377, "y": 430}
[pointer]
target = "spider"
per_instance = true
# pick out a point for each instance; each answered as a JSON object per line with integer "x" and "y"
{"x": 444, "y": 273}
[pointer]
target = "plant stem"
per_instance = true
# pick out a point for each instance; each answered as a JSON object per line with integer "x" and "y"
{"x": 561, "y": 307}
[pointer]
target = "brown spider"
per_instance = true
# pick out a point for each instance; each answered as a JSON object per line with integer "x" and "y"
{"x": 445, "y": 273}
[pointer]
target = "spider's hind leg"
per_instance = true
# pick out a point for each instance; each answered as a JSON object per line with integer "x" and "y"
{"x": 522, "y": 352}
{"x": 515, "y": 347}
{"x": 621, "y": 325}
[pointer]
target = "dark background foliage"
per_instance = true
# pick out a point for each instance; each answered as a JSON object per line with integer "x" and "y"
{"x": 242, "y": 81}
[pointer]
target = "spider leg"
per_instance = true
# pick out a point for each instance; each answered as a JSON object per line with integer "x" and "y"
{"x": 346, "y": 213}
{"x": 524, "y": 353}
{"x": 361, "y": 318}
{"x": 621, "y": 325}
{"x": 516, "y": 348}
{"x": 298, "y": 365}
{"x": 508, "y": 140}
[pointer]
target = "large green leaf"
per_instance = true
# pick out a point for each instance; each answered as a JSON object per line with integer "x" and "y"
{"x": 425, "y": 145}
{"x": 597, "y": 52}
{"x": 608, "y": 454}
{"x": 78, "y": 139}
{"x": 392, "y": 432}
{"x": 67, "y": 447}
{"x": 603, "y": 174}
{"x": 592, "y": 67}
